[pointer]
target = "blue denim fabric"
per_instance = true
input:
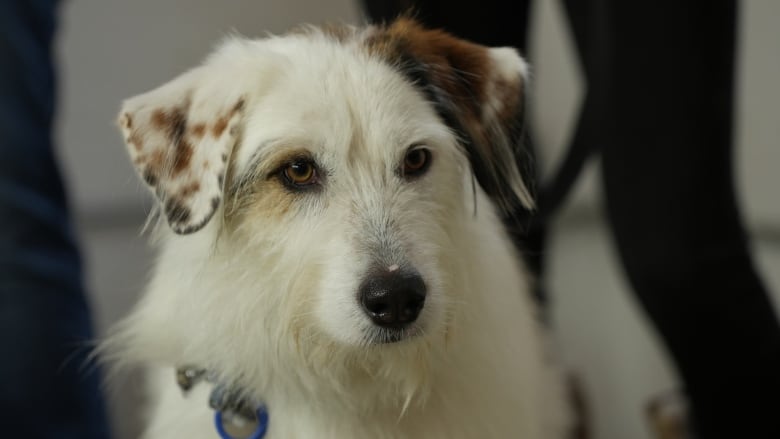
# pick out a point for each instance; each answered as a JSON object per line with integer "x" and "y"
{"x": 45, "y": 390}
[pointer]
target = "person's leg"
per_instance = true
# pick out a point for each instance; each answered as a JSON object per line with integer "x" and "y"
{"x": 492, "y": 23}
{"x": 667, "y": 170}
{"x": 45, "y": 391}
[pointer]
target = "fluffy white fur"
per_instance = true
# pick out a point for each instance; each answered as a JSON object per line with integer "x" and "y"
{"x": 265, "y": 293}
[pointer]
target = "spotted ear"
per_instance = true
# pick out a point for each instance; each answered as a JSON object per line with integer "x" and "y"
{"x": 180, "y": 137}
{"x": 476, "y": 90}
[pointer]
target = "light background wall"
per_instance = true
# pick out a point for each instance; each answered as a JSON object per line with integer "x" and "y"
{"x": 111, "y": 49}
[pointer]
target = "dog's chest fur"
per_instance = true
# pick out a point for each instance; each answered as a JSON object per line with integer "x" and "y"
{"x": 262, "y": 273}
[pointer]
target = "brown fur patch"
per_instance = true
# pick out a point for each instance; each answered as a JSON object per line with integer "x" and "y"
{"x": 159, "y": 119}
{"x": 264, "y": 196}
{"x": 238, "y": 107}
{"x": 265, "y": 199}
{"x": 135, "y": 140}
{"x": 458, "y": 69}
{"x": 182, "y": 156}
{"x": 199, "y": 130}
{"x": 154, "y": 164}
{"x": 219, "y": 126}
{"x": 190, "y": 189}
{"x": 272, "y": 199}
{"x": 125, "y": 121}
{"x": 456, "y": 66}
{"x": 157, "y": 159}
{"x": 172, "y": 122}
{"x": 460, "y": 81}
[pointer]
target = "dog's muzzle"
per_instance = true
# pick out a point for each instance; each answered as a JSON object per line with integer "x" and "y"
{"x": 392, "y": 299}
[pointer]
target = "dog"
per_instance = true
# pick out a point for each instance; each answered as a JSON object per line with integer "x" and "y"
{"x": 333, "y": 260}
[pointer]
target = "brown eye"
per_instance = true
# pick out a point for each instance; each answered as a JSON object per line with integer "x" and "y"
{"x": 300, "y": 173}
{"x": 416, "y": 161}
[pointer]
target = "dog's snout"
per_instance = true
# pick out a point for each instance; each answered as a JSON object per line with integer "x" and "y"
{"x": 392, "y": 299}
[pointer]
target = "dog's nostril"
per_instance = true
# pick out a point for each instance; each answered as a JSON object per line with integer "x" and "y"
{"x": 376, "y": 306}
{"x": 411, "y": 309}
{"x": 393, "y": 299}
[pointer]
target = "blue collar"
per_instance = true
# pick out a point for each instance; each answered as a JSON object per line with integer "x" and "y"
{"x": 228, "y": 421}
{"x": 234, "y": 417}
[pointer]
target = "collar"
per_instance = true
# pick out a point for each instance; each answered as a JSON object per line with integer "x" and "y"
{"x": 235, "y": 415}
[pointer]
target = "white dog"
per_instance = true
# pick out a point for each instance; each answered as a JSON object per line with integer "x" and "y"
{"x": 334, "y": 251}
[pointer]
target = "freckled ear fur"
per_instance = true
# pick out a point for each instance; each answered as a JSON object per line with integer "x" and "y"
{"x": 476, "y": 90}
{"x": 180, "y": 137}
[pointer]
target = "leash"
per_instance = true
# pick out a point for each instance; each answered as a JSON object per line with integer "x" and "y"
{"x": 235, "y": 416}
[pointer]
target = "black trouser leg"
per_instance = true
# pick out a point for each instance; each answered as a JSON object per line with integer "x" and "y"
{"x": 667, "y": 169}
{"x": 492, "y": 23}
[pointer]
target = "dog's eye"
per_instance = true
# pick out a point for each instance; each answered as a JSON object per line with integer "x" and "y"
{"x": 300, "y": 173}
{"x": 416, "y": 161}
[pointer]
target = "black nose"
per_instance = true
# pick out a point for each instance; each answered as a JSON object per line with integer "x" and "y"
{"x": 392, "y": 299}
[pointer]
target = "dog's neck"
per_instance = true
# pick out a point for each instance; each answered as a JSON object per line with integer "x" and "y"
{"x": 234, "y": 410}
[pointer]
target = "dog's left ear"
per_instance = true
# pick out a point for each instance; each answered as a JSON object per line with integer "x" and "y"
{"x": 180, "y": 137}
{"x": 477, "y": 91}
{"x": 503, "y": 128}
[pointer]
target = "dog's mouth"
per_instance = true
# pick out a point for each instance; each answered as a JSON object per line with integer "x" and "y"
{"x": 394, "y": 334}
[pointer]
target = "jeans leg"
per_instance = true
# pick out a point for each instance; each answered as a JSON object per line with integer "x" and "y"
{"x": 45, "y": 389}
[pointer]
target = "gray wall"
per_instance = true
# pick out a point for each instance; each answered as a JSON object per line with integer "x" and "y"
{"x": 111, "y": 49}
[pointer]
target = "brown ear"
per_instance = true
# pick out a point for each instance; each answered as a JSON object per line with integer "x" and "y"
{"x": 180, "y": 137}
{"x": 476, "y": 90}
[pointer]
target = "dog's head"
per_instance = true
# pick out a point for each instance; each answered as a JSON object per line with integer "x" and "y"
{"x": 322, "y": 182}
